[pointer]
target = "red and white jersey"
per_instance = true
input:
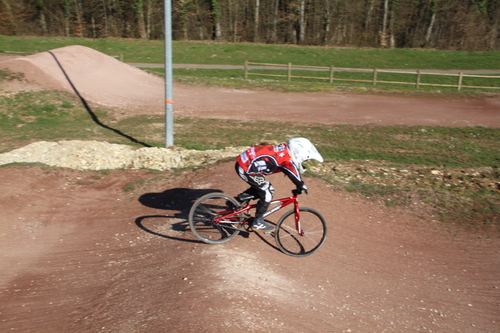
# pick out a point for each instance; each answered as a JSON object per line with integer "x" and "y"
{"x": 266, "y": 160}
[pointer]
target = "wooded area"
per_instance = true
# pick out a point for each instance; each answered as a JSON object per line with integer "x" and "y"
{"x": 442, "y": 24}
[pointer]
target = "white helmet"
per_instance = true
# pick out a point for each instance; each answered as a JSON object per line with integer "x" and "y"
{"x": 301, "y": 150}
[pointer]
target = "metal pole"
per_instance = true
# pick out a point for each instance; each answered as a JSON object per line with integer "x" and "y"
{"x": 169, "y": 118}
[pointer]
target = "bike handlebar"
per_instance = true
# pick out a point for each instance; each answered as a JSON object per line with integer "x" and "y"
{"x": 297, "y": 192}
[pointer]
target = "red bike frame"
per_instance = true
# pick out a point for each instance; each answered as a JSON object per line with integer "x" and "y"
{"x": 281, "y": 203}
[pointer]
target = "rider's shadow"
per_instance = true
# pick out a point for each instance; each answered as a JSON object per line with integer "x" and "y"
{"x": 176, "y": 202}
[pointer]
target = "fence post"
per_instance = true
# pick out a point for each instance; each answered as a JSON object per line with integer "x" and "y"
{"x": 460, "y": 76}
{"x": 246, "y": 69}
{"x": 289, "y": 71}
{"x": 331, "y": 74}
{"x": 418, "y": 78}
{"x": 374, "y": 76}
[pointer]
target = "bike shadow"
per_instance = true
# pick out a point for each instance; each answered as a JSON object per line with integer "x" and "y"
{"x": 174, "y": 224}
{"x": 177, "y": 202}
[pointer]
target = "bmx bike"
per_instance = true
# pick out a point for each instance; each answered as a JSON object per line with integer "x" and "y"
{"x": 217, "y": 217}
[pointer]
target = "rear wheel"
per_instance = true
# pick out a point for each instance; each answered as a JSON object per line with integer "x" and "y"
{"x": 312, "y": 237}
{"x": 204, "y": 212}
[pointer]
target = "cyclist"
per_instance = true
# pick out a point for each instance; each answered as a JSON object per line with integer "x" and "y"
{"x": 253, "y": 164}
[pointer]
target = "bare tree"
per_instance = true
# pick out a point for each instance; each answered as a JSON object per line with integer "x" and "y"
{"x": 434, "y": 6}
{"x": 256, "y": 21}
{"x": 139, "y": 13}
{"x": 383, "y": 32}
{"x": 275, "y": 18}
{"x": 234, "y": 19}
{"x": 181, "y": 7}
{"x": 41, "y": 13}
{"x": 327, "y": 21}
{"x": 79, "y": 24}
{"x": 444, "y": 24}
{"x": 67, "y": 16}
{"x": 104, "y": 32}
{"x": 392, "y": 19}
{"x": 215, "y": 8}
{"x": 302, "y": 21}
{"x": 7, "y": 20}
{"x": 493, "y": 34}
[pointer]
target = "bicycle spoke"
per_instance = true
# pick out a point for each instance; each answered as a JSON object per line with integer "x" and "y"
{"x": 313, "y": 233}
{"x": 203, "y": 223}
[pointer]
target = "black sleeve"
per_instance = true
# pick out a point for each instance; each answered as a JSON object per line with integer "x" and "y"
{"x": 297, "y": 181}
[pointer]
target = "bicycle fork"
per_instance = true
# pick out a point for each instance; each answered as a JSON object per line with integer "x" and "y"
{"x": 296, "y": 209}
{"x": 297, "y": 219}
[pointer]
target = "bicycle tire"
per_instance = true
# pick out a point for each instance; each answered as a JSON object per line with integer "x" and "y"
{"x": 291, "y": 242}
{"x": 201, "y": 216}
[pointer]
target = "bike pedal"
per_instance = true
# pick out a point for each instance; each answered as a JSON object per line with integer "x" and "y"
{"x": 268, "y": 232}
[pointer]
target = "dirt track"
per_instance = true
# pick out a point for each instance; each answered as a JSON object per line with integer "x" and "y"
{"x": 79, "y": 253}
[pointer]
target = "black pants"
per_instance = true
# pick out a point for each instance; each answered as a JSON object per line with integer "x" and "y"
{"x": 260, "y": 188}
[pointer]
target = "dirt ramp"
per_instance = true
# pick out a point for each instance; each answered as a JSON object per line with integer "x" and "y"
{"x": 98, "y": 77}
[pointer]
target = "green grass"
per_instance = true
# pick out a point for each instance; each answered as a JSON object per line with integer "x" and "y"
{"x": 152, "y": 51}
{"x": 49, "y": 115}
{"x": 8, "y": 75}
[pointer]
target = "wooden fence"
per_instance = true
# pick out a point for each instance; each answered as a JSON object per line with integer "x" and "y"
{"x": 375, "y": 71}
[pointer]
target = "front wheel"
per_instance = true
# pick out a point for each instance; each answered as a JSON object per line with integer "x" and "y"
{"x": 304, "y": 242}
{"x": 203, "y": 214}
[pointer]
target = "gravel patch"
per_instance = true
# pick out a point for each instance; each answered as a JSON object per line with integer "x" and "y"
{"x": 96, "y": 155}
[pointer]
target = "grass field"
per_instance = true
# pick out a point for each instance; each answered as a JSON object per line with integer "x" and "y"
{"x": 53, "y": 116}
{"x": 137, "y": 51}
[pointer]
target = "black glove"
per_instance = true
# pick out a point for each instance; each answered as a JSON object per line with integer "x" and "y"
{"x": 302, "y": 189}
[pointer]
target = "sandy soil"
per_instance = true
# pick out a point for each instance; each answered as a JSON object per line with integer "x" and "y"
{"x": 80, "y": 253}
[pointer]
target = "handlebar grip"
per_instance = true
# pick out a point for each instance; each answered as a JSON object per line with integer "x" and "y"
{"x": 297, "y": 192}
